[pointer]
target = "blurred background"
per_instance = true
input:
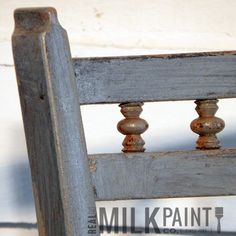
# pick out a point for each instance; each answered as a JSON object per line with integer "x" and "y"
{"x": 118, "y": 27}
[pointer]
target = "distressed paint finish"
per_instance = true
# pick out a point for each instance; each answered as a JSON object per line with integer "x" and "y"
{"x": 53, "y": 126}
{"x": 170, "y": 77}
{"x": 55, "y": 139}
{"x": 132, "y": 126}
{"x": 207, "y": 125}
{"x": 163, "y": 175}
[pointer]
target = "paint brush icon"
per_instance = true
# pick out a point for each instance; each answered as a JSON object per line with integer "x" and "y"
{"x": 219, "y": 214}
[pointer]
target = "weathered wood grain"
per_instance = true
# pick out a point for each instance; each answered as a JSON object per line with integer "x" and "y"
{"x": 164, "y": 175}
{"x": 57, "y": 152}
{"x": 156, "y": 78}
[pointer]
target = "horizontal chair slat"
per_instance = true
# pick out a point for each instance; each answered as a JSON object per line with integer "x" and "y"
{"x": 156, "y": 78}
{"x": 162, "y": 175}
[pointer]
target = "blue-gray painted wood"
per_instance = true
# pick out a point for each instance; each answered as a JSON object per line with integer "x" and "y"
{"x": 55, "y": 139}
{"x": 164, "y": 174}
{"x": 170, "y": 77}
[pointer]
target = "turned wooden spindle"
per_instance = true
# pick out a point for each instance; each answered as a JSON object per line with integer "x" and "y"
{"x": 132, "y": 126}
{"x": 207, "y": 125}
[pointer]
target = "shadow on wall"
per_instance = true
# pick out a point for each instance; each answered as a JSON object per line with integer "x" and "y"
{"x": 22, "y": 185}
{"x": 16, "y": 197}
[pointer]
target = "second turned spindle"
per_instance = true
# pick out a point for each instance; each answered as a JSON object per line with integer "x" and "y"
{"x": 207, "y": 125}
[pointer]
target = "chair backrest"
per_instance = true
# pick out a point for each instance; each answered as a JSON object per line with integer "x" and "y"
{"x": 66, "y": 181}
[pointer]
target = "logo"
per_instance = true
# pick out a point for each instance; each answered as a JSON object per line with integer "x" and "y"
{"x": 156, "y": 220}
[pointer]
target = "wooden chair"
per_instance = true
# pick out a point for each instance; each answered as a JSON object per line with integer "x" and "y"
{"x": 52, "y": 86}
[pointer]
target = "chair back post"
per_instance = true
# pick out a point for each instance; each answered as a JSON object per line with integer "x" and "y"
{"x": 57, "y": 152}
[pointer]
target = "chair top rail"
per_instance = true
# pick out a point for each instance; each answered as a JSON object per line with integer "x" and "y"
{"x": 169, "y": 77}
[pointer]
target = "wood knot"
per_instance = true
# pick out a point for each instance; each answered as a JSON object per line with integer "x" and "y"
{"x": 207, "y": 125}
{"x": 132, "y": 126}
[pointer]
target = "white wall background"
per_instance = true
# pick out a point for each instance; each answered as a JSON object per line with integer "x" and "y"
{"x": 118, "y": 27}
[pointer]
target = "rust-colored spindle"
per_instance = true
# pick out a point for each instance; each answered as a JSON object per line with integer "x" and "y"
{"x": 207, "y": 125}
{"x": 132, "y": 126}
